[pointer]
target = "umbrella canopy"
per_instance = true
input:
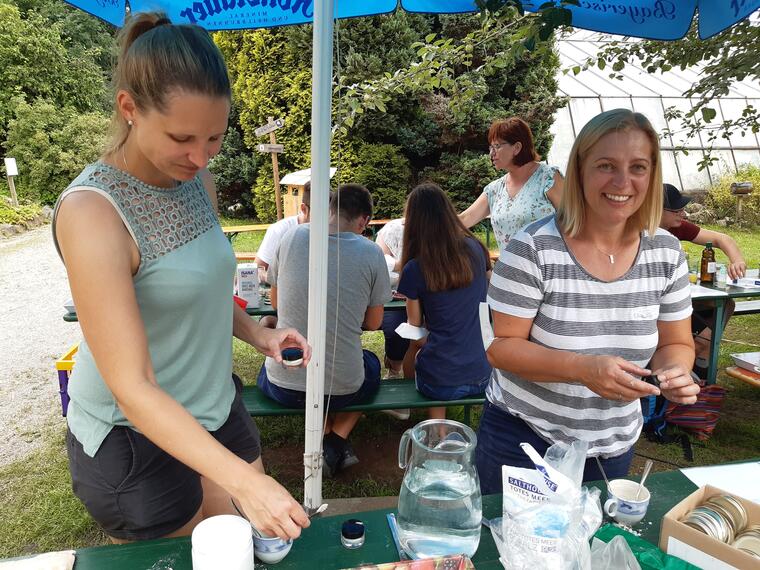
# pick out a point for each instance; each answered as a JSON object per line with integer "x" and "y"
{"x": 652, "y": 19}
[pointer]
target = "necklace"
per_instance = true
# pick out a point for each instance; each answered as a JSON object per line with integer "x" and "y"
{"x": 124, "y": 159}
{"x": 610, "y": 255}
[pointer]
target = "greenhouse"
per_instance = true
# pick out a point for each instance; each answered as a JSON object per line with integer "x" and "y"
{"x": 593, "y": 91}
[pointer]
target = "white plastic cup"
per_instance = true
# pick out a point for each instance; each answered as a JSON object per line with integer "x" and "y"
{"x": 224, "y": 541}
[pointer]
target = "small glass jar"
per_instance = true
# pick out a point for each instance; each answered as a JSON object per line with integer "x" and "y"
{"x": 352, "y": 534}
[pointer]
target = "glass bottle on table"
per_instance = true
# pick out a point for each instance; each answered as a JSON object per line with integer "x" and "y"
{"x": 707, "y": 265}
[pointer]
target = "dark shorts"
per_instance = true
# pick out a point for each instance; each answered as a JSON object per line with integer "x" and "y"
{"x": 136, "y": 491}
{"x": 499, "y": 437}
{"x": 297, "y": 398}
{"x": 438, "y": 392}
{"x": 703, "y": 315}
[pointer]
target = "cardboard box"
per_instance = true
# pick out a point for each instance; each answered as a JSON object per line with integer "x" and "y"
{"x": 698, "y": 548}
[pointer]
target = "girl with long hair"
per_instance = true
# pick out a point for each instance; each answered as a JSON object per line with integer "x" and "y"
{"x": 444, "y": 278}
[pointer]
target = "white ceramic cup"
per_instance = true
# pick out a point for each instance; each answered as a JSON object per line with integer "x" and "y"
{"x": 223, "y": 541}
{"x": 622, "y": 504}
{"x": 271, "y": 549}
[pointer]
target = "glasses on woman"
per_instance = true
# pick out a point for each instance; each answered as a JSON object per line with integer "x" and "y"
{"x": 496, "y": 147}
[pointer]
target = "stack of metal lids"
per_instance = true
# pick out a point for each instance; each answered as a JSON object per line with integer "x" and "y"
{"x": 724, "y": 518}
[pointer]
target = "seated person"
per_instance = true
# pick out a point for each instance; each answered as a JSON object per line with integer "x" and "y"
{"x": 444, "y": 279}
{"x": 274, "y": 234}
{"x": 389, "y": 238}
{"x": 675, "y": 221}
{"x": 358, "y": 286}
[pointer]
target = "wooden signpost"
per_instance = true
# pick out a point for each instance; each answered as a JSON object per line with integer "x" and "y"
{"x": 11, "y": 170}
{"x": 273, "y": 148}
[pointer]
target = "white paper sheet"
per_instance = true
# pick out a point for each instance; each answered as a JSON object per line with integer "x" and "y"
{"x": 405, "y": 330}
{"x": 740, "y": 479}
{"x": 695, "y": 556}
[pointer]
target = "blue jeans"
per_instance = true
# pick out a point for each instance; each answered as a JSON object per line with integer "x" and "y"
{"x": 297, "y": 398}
{"x": 499, "y": 437}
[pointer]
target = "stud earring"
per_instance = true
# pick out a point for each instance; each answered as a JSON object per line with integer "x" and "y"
{"x": 129, "y": 122}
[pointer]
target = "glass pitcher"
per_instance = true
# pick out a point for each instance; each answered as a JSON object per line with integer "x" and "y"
{"x": 439, "y": 506}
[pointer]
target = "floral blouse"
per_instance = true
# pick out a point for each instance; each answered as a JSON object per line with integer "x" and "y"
{"x": 508, "y": 215}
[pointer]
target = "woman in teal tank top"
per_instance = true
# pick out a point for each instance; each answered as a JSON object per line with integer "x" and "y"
{"x": 158, "y": 436}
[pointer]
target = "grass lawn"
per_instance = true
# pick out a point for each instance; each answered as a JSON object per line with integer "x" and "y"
{"x": 40, "y": 513}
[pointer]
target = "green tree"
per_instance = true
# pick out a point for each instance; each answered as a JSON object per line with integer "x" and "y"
{"x": 35, "y": 63}
{"x": 51, "y": 144}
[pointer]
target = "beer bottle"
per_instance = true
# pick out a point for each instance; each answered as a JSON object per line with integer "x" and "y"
{"x": 707, "y": 267}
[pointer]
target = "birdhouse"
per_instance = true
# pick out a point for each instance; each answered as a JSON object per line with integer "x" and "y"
{"x": 293, "y": 195}
{"x": 741, "y": 190}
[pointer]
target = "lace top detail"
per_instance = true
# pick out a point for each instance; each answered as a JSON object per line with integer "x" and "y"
{"x": 160, "y": 219}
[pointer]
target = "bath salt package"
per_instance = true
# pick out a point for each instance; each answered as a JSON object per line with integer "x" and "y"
{"x": 247, "y": 278}
{"x": 548, "y": 517}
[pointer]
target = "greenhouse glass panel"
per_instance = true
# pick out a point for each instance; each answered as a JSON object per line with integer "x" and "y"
{"x": 564, "y": 137}
{"x": 724, "y": 164}
{"x": 745, "y": 157}
{"x": 609, "y": 103}
{"x": 678, "y": 133}
{"x": 583, "y": 109}
{"x": 691, "y": 177}
{"x": 651, "y": 107}
{"x": 669, "y": 171}
{"x": 732, "y": 109}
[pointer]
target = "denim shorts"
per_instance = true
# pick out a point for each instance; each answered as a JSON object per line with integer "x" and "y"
{"x": 136, "y": 491}
{"x": 499, "y": 437}
{"x": 297, "y": 398}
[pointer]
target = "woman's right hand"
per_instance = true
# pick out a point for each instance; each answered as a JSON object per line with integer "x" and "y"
{"x": 612, "y": 377}
{"x": 270, "y": 508}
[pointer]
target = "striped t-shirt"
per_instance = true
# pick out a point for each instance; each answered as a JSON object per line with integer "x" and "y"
{"x": 538, "y": 278}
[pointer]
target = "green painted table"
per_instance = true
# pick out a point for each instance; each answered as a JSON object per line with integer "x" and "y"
{"x": 320, "y": 548}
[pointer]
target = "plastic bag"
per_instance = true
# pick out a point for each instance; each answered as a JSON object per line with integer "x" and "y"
{"x": 613, "y": 554}
{"x": 548, "y": 517}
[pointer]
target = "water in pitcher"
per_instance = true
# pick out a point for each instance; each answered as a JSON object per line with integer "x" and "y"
{"x": 440, "y": 510}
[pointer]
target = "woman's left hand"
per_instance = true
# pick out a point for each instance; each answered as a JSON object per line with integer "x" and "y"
{"x": 271, "y": 342}
{"x": 677, "y": 385}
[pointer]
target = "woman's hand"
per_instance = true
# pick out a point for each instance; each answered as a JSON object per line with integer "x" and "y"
{"x": 677, "y": 384}
{"x": 270, "y": 508}
{"x": 737, "y": 269}
{"x": 612, "y": 377}
{"x": 271, "y": 342}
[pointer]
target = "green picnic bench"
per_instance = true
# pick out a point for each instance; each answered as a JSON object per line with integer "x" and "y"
{"x": 394, "y": 394}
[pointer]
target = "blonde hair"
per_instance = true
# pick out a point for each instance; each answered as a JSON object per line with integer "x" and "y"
{"x": 156, "y": 58}
{"x": 572, "y": 208}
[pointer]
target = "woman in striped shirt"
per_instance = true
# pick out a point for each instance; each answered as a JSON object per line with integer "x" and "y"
{"x": 582, "y": 304}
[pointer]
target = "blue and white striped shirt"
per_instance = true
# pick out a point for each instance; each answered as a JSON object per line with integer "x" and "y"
{"x": 538, "y": 278}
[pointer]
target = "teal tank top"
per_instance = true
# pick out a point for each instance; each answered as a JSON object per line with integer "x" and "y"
{"x": 184, "y": 292}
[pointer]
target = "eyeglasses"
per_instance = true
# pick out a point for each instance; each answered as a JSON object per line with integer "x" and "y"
{"x": 496, "y": 147}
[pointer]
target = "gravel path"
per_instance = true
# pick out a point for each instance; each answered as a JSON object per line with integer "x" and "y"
{"x": 33, "y": 288}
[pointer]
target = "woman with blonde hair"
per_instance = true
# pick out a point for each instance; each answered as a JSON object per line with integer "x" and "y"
{"x": 158, "y": 437}
{"x": 586, "y": 305}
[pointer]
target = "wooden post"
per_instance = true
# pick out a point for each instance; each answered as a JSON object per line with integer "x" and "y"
{"x": 12, "y": 186}
{"x": 276, "y": 173}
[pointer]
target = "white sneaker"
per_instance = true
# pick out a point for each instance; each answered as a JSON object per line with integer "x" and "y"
{"x": 402, "y": 414}
{"x": 393, "y": 374}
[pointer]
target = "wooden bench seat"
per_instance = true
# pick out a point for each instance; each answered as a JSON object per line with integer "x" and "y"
{"x": 394, "y": 394}
{"x": 245, "y": 255}
{"x": 747, "y": 308}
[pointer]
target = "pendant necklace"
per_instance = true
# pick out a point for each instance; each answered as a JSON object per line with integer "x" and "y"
{"x": 611, "y": 256}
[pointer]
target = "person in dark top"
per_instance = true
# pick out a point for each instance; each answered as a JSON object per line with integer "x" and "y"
{"x": 445, "y": 278}
{"x": 674, "y": 220}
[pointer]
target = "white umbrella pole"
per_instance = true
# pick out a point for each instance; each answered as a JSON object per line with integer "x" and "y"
{"x": 320, "y": 189}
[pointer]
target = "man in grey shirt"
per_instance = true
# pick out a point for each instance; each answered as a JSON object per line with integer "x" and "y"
{"x": 358, "y": 286}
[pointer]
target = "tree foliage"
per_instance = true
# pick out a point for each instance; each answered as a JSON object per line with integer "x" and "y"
{"x": 51, "y": 145}
{"x": 419, "y": 86}
{"x": 724, "y": 59}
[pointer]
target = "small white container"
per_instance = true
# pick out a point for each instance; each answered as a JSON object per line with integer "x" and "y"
{"x": 223, "y": 541}
{"x": 247, "y": 279}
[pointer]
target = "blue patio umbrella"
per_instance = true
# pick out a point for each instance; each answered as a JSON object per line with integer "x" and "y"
{"x": 655, "y": 19}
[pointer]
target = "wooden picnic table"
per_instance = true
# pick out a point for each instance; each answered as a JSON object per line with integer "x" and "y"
{"x": 717, "y": 297}
{"x": 319, "y": 545}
